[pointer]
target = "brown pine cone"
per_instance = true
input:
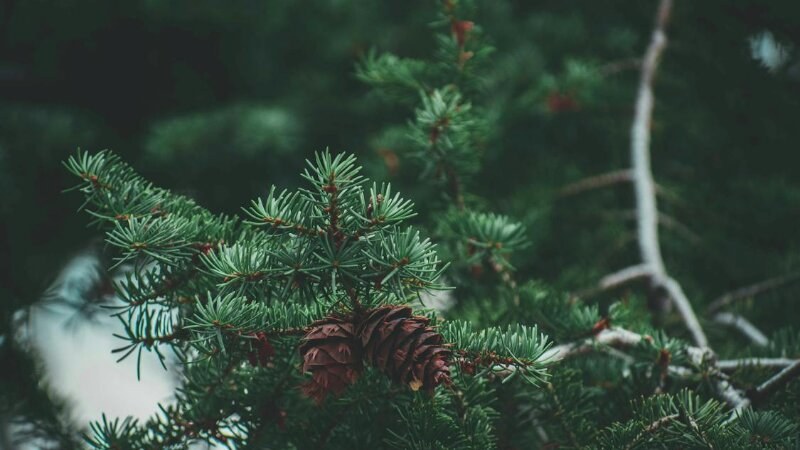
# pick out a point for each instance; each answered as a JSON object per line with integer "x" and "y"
{"x": 404, "y": 347}
{"x": 332, "y": 354}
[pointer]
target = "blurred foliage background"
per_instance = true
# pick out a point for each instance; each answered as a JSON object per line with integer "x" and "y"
{"x": 219, "y": 100}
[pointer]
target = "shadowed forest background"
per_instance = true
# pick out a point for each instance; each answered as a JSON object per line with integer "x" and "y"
{"x": 220, "y": 100}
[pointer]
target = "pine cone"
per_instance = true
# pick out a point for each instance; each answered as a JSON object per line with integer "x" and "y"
{"x": 332, "y": 354}
{"x": 404, "y": 347}
{"x": 390, "y": 338}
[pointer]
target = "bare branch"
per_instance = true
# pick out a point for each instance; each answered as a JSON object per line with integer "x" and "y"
{"x": 596, "y": 182}
{"x": 765, "y": 389}
{"x": 619, "y": 66}
{"x": 617, "y": 279}
{"x": 733, "y": 364}
{"x": 783, "y": 377}
{"x": 644, "y": 186}
{"x": 626, "y": 275}
{"x": 751, "y": 291}
{"x": 620, "y": 337}
{"x": 604, "y": 180}
{"x": 744, "y": 326}
{"x": 671, "y": 223}
{"x": 612, "y": 337}
{"x": 667, "y": 222}
{"x": 685, "y": 309}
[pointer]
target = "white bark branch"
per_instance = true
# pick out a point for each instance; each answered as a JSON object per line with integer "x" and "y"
{"x": 617, "y": 279}
{"x": 744, "y": 326}
{"x": 732, "y": 364}
{"x": 625, "y": 276}
{"x": 644, "y": 186}
{"x": 786, "y": 375}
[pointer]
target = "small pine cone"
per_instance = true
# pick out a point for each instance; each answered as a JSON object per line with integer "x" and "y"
{"x": 332, "y": 355}
{"x": 404, "y": 347}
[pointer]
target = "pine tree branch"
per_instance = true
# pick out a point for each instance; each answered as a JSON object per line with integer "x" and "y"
{"x": 560, "y": 413}
{"x": 751, "y": 291}
{"x": 742, "y": 325}
{"x": 650, "y": 429}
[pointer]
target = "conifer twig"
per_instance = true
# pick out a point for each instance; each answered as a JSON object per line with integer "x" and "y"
{"x": 650, "y": 429}
{"x": 751, "y": 291}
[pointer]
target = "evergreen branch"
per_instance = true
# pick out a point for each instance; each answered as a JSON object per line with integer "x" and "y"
{"x": 766, "y": 428}
{"x": 561, "y": 317}
{"x": 518, "y": 346}
{"x": 652, "y": 428}
{"x": 145, "y": 287}
{"x": 751, "y": 291}
{"x": 281, "y": 212}
{"x": 231, "y": 316}
{"x": 675, "y": 421}
{"x": 561, "y": 414}
{"x": 147, "y": 329}
{"x": 744, "y": 326}
{"x": 238, "y": 263}
{"x": 393, "y": 76}
{"x": 162, "y": 239}
{"x": 380, "y": 208}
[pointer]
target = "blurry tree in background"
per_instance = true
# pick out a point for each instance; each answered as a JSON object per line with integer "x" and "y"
{"x": 505, "y": 122}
